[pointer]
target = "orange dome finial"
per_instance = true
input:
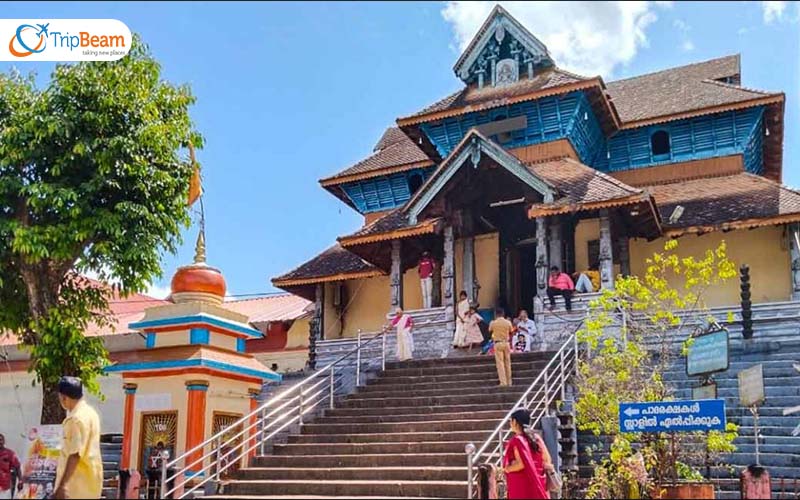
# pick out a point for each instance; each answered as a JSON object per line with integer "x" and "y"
{"x": 198, "y": 282}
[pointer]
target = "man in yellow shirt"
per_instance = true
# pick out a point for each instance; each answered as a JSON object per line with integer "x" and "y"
{"x": 80, "y": 464}
{"x": 501, "y": 328}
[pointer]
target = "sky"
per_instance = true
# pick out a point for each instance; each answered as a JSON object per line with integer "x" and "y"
{"x": 288, "y": 93}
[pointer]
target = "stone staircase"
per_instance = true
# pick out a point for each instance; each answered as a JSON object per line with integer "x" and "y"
{"x": 111, "y": 450}
{"x": 401, "y": 435}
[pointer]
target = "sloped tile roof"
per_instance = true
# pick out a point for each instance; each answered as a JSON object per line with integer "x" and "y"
{"x": 389, "y": 225}
{"x": 281, "y": 307}
{"x": 680, "y": 90}
{"x": 394, "y": 152}
{"x": 334, "y": 263}
{"x": 734, "y": 201}
{"x": 487, "y": 96}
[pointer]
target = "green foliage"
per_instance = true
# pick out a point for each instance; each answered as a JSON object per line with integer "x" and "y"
{"x": 629, "y": 334}
{"x": 91, "y": 179}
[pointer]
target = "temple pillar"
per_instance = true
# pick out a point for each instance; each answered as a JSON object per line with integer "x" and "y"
{"x": 469, "y": 278}
{"x": 555, "y": 244}
{"x": 196, "y": 391}
{"x": 541, "y": 257}
{"x": 396, "y": 277}
{"x": 606, "y": 256}
{"x": 794, "y": 247}
{"x": 127, "y": 425}
{"x": 448, "y": 278}
{"x": 624, "y": 256}
{"x": 315, "y": 326}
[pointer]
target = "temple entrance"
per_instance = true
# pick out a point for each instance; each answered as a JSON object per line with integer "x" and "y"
{"x": 517, "y": 274}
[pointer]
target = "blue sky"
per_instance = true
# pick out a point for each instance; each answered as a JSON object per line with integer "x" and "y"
{"x": 288, "y": 93}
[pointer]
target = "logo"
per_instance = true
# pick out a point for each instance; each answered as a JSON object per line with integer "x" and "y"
{"x": 64, "y": 40}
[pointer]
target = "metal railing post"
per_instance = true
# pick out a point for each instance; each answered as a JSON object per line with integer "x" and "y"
{"x": 383, "y": 351}
{"x": 333, "y": 386}
{"x": 358, "y": 359}
{"x": 163, "y": 479}
{"x": 563, "y": 380}
{"x": 218, "y": 459}
{"x": 263, "y": 444}
{"x": 470, "y": 450}
{"x": 300, "y": 414}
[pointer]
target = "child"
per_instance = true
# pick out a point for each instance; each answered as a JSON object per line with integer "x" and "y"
{"x": 472, "y": 326}
{"x": 521, "y": 344}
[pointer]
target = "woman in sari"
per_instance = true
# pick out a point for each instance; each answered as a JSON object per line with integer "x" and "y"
{"x": 524, "y": 461}
{"x": 459, "y": 339}
{"x": 405, "y": 341}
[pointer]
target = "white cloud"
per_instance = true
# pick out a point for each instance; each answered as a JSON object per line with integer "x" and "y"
{"x": 681, "y": 25}
{"x": 589, "y": 38}
{"x": 158, "y": 291}
{"x": 773, "y": 11}
{"x": 687, "y": 46}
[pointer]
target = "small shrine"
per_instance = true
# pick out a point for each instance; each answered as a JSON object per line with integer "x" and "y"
{"x": 193, "y": 378}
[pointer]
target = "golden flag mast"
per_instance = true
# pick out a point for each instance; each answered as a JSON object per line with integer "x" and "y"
{"x": 195, "y": 193}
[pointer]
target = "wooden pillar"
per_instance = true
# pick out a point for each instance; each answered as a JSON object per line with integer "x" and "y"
{"x": 606, "y": 256}
{"x": 555, "y": 244}
{"x": 396, "y": 277}
{"x": 624, "y": 256}
{"x": 448, "y": 278}
{"x": 315, "y": 326}
{"x": 541, "y": 257}
{"x": 794, "y": 247}
{"x": 468, "y": 265}
{"x": 196, "y": 391}
{"x": 253, "y": 394}
{"x": 127, "y": 426}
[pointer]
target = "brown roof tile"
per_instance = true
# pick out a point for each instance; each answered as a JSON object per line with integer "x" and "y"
{"x": 394, "y": 151}
{"x": 680, "y": 90}
{"x": 333, "y": 262}
{"x": 739, "y": 200}
{"x": 281, "y": 307}
{"x": 389, "y": 225}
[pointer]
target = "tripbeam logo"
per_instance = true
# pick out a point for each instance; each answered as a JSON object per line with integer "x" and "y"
{"x": 63, "y": 39}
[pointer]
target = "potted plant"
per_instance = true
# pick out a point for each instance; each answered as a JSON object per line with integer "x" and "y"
{"x": 632, "y": 336}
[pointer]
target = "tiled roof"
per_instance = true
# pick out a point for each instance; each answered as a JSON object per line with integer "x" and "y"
{"x": 389, "y": 225}
{"x": 580, "y": 186}
{"x": 281, "y": 307}
{"x": 735, "y": 201}
{"x": 333, "y": 262}
{"x": 680, "y": 90}
{"x": 394, "y": 152}
{"x": 486, "y": 97}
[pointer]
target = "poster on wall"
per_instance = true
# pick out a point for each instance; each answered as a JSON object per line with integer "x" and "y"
{"x": 159, "y": 435}
{"x": 41, "y": 458}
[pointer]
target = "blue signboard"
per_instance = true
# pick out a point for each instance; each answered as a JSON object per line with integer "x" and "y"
{"x": 708, "y": 354}
{"x": 673, "y": 416}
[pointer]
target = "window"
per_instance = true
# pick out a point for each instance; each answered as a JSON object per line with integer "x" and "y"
{"x": 659, "y": 144}
{"x": 414, "y": 182}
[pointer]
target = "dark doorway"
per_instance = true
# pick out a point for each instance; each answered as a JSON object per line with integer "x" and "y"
{"x": 527, "y": 275}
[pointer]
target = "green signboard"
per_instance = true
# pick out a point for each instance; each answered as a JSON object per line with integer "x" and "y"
{"x": 708, "y": 354}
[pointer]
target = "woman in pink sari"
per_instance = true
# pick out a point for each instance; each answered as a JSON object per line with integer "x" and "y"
{"x": 524, "y": 461}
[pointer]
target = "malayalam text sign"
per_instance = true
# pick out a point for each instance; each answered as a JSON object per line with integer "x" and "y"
{"x": 673, "y": 416}
{"x": 708, "y": 354}
{"x": 751, "y": 386}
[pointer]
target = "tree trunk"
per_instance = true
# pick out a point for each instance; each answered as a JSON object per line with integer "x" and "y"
{"x": 52, "y": 413}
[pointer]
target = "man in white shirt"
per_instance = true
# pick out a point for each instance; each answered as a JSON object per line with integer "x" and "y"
{"x": 526, "y": 326}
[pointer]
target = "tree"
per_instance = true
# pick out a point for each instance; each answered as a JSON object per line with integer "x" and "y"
{"x": 633, "y": 335}
{"x": 91, "y": 179}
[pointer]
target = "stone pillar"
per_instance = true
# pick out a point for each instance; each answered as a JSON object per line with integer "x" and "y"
{"x": 253, "y": 394}
{"x": 541, "y": 257}
{"x": 448, "y": 279}
{"x": 127, "y": 426}
{"x": 315, "y": 326}
{"x": 196, "y": 391}
{"x": 624, "y": 256}
{"x": 468, "y": 265}
{"x": 396, "y": 277}
{"x": 606, "y": 256}
{"x": 555, "y": 244}
{"x": 794, "y": 247}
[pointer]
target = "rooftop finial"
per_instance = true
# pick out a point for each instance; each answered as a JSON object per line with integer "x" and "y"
{"x": 200, "y": 247}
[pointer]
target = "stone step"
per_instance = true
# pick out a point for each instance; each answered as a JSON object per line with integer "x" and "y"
{"x": 444, "y": 489}
{"x": 466, "y": 390}
{"x": 357, "y": 473}
{"x": 733, "y": 382}
{"x": 476, "y": 359}
{"x": 416, "y": 410}
{"x": 369, "y": 448}
{"x": 416, "y": 417}
{"x": 454, "y": 385}
{"x": 764, "y": 421}
{"x": 518, "y": 376}
{"x": 395, "y": 427}
{"x": 364, "y": 460}
{"x": 399, "y": 437}
{"x": 484, "y": 368}
{"x": 489, "y": 398}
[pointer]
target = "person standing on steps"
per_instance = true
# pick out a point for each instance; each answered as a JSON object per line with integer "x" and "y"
{"x": 462, "y": 308}
{"x": 80, "y": 464}
{"x": 524, "y": 462}
{"x": 560, "y": 284}
{"x": 472, "y": 328}
{"x": 403, "y": 322}
{"x": 425, "y": 269}
{"x": 501, "y": 328}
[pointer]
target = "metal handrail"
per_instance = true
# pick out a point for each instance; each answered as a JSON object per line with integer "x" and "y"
{"x": 551, "y": 382}
{"x": 295, "y": 402}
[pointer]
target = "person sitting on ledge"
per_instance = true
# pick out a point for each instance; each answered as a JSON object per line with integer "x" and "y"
{"x": 560, "y": 284}
{"x": 587, "y": 281}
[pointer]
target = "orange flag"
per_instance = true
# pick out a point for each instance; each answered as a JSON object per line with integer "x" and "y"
{"x": 195, "y": 188}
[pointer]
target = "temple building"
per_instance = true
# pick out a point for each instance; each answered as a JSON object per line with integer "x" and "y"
{"x": 529, "y": 166}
